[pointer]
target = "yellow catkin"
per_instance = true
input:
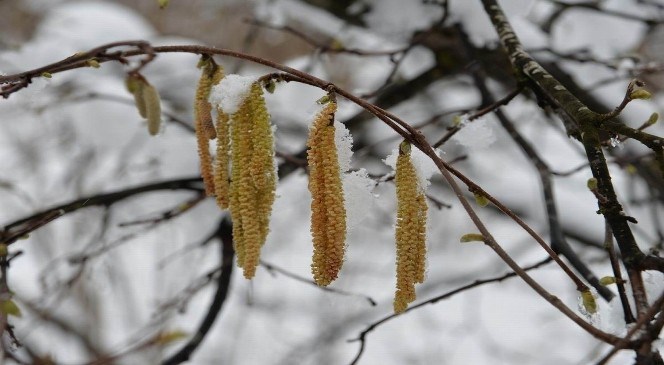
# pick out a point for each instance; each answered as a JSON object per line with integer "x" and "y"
{"x": 253, "y": 178}
{"x": 203, "y": 121}
{"x": 410, "y": 230}
{"x": 222, "y": 162}
{"x": 152, "y": 108}
{"x": 203, "y": 110}
{"x": 328, "y": 214}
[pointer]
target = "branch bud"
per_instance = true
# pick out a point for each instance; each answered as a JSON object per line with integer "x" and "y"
{"x": 471, "y": 237}
{"x": 642, "y": 94}
{"x": 588, "y": 302}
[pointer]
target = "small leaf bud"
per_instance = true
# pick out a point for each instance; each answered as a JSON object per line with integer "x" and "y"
{"x": 642, "y": 94}
{"x": 652, "y": 120}
{"x": 93, "y": 63}
{"x": 471, "y": 237}
{"x": 607, "y": 280}
{"x": 9, "y": 308}
{"x": 592, "y": 184}
{"x": 588, "y": 301}
{"x": 481, "y": 200}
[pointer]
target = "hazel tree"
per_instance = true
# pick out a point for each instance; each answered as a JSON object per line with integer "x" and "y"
{"x": 448, "y": 144}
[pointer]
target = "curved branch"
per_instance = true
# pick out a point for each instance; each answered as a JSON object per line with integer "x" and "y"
{"x": 416, "y": 138}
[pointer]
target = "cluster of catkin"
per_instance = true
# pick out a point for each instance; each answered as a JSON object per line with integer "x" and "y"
{"x": 242, "y": 178}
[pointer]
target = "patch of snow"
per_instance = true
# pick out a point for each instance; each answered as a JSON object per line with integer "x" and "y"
{"x": 476, "y": 134}
{"x": 424, "y": 167}
{"x": 359, "y": 200}
{"x": 231, "y": 91}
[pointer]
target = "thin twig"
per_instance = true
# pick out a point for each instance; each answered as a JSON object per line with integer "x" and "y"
{"x": 657, "y": 307}
{"x": 274, "y": 268}
{"x": 615, "y": 266}
{"x": 362, "y": 337}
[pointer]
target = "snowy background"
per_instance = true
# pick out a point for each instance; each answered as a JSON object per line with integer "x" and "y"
{"x": 78, "y": 134}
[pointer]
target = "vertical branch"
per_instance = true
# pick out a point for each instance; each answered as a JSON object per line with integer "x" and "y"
{"x": 5, "y": 293}
{"x": 558, "y": 241}
{"x": 569, "y": 106}
{"x": 620, "y": 283}
{"x": 224, "y": 234}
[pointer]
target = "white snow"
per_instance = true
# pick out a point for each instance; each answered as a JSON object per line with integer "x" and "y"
{"x": 231, "y": 91}
{"x": 475, "y": 134}
{"x": 344, "y": 142}
{"x": 359, "y": 200}
{"x": 424, "y": 167}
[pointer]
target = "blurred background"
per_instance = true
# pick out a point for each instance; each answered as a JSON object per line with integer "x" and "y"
{"x": 101, "y": 283}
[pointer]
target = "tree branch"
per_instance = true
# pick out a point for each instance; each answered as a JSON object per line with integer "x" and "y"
{"x": 21, "y": 227}
{"x": 362, "y": 337}
{"x": 224, "y": 234}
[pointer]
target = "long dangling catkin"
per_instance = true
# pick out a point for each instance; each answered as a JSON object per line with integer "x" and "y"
{"x": 262, "y": 167}
{"x": 410, "y": 230}
{"x": 203, "y": 125}
{"x": 253, "y": 178}
{"x": 328, "y": 214}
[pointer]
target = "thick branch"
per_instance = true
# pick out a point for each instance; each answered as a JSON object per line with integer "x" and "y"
{"x": 570, "y": 107}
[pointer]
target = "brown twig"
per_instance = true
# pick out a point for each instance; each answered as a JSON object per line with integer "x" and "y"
{"x": 362, "y": 337}
{"x": 615, "y": 266}
{"x": 271, "y": 268}
{"x": 19, "y": 228}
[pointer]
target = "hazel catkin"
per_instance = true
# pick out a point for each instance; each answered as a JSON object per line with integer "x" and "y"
{"x": 328, "y": 214}
{"x": 410, "y": 230}
{"x": 211, "y": 73}
{"x": 146, "y": 98}
{"x": 253, "y": 178}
